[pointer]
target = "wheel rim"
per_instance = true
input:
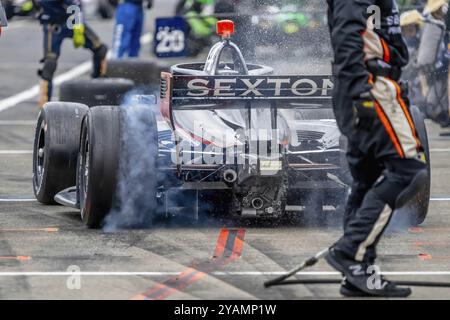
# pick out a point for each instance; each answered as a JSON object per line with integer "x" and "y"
{"x": 39, "y": 158}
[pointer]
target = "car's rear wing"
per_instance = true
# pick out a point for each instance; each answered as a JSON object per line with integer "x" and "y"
{"x": 188, "y": 92}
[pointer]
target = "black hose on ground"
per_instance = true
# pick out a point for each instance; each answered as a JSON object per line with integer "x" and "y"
{"x": 338, "y": 281}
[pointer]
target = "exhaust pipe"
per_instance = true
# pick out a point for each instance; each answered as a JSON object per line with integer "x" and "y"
{"x": 257, "y": 203}
{"x": 229, "y": 176}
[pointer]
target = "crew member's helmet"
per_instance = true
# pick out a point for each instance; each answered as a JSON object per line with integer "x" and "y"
{"x": 411, "y": 17}
{"x": 434, "y": 5}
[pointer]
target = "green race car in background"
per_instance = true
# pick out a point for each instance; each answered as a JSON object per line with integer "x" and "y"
{"x": 284, "y": 25}
{"x": 19, "y": 8}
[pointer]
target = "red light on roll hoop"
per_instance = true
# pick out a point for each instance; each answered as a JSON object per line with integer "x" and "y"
{"x": 225, "y": 28}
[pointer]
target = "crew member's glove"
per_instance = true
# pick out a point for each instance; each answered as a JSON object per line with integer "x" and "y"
{"x": 365, "y": 113}
{"x": 149, "y": 4}
{"x": 79, "y": 39}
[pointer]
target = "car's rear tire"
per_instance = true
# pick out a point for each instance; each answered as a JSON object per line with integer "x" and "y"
{"x": 418, "y": 207}
{"x": 98, "y": 162}
{"x": 139, "y": 177}
{"x": 55, "y": 149}
{"x": 96, "y": 92}
{"x": 117, "y": 166}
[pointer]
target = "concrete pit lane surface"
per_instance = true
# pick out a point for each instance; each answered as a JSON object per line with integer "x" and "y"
{"x": 47, "y": 253}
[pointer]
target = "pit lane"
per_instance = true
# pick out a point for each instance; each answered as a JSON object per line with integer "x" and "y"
{"x": 41, "y": 246}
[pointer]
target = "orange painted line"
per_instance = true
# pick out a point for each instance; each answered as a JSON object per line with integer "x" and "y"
{"x": 196, "y": 276}
{"x": 221, "y": 243}
{"x": 424, "y": 256}
{"x": 31, "y": 230}
{"x": 238, "y": 244}
{"x": 168, "y": 287}
{"x": 431, "y": 244}
{"x": 18, "y": 258}
{"x": 223, "y": 255}
{"x": 422, "y": 230}
{"x": 415, "y": 230}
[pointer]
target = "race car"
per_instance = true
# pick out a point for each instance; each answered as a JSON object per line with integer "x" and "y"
{"x": 228, "y": 137}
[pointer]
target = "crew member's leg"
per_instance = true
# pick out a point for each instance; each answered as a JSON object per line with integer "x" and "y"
{"x": 365, "y": 171}
{"x": 99, "y": 51}
{"x": 135, "y": 43}
{"x": 123, "y": 30}
{"x": 396, "y": 147}
{"x": 53, "y": 37}
{"x": 394, "y": 143}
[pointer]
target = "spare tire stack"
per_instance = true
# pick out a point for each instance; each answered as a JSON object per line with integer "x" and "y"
{"x": 96, "y": 92}
{"x": 145, "y": 74}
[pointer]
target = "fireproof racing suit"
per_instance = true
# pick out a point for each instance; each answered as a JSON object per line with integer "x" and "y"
{"x": 386, "y": 158}
{"x": 128, "y": 28}
{"x": 58, "y": 20}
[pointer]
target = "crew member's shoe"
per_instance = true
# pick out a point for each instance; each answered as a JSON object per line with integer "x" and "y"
{"x": 349, "y": 290}
{"x": 356, "y": 274}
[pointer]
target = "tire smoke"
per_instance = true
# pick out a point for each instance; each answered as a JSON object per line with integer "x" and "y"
{"x": 138, "y": 176}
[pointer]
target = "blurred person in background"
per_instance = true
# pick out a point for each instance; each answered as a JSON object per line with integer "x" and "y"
{"x": 411, "y": 23}
{"x": 410, "y": 4}
{"x": 437, "y": 99}
{"x": 60, "y": 20}
{"x": 128, "y": 28}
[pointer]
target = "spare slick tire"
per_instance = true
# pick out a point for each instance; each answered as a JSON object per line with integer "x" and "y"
{"x": 96, "y": 92}
{"x": 119, "y": 179}
{"x": 55, "y": 149}
{"x": 142, "y": 72}
{"x": 415, "y": 212}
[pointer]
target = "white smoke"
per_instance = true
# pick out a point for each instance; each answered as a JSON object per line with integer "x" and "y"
{"x": 138, "y": 177}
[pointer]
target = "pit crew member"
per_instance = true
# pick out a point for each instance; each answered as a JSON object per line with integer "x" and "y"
{"x": 128, "y": 28}
{"x": 63, "y": 19}
{"x": 384, "y": 152}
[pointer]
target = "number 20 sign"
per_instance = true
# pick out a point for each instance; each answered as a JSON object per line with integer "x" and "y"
{"x": 170, "y": 37}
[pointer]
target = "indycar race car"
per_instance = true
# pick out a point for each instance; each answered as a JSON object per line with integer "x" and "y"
{"x": 231, "y": 137}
